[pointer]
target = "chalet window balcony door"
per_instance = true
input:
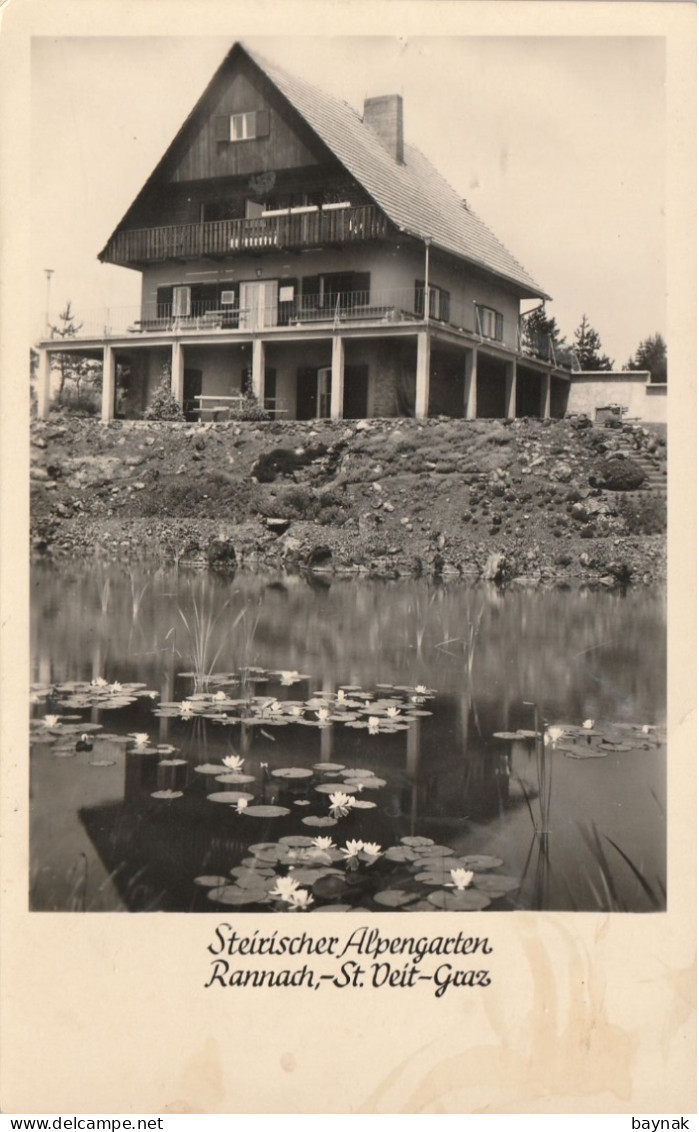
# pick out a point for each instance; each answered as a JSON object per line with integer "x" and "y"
{"x": 258, "y": 304}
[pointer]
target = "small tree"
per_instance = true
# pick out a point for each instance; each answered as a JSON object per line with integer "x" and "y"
{"x": 651, "y": 354}
{"x": 72, "y": 368}
{"x": 588, "y": 348}
{"x": 163, "y": 406}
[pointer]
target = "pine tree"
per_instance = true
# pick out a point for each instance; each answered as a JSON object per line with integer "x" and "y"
{"x": 540, "y": 333}
{"x": 71, "y": 367}
{"x": 651, "y": 355}
{"x": 588, "y": 348}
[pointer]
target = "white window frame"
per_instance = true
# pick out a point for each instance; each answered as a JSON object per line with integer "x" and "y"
{"x": 324, "y": 392}
{"x": 242, "y": 126}
{"x": 489, "y": 322}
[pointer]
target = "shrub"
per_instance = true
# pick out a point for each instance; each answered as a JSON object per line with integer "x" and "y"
{"x": 644, "y": 514}
{"x": 620, "y": 475}
{"x": 163, "y": 406}
{"x": 250, "y": 410}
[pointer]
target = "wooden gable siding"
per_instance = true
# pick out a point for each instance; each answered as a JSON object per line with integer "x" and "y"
{"x": 288, "y": 145}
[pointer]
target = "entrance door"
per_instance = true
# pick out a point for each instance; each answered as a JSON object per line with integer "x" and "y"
{"x": 258, "y": 304}
{"x": 191, "y": 390}
{"x": 355, "y": 403}
{"x": 306, "y": 393}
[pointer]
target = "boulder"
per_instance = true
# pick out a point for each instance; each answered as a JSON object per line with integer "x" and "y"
{"x": 494, "y": 570}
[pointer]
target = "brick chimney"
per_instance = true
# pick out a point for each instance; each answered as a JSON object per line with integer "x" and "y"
{"x": 384, "y": 115}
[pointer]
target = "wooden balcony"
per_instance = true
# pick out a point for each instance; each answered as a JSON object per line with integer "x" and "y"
{"x": 292, "y": 229}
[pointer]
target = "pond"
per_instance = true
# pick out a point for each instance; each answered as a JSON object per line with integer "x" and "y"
{"x": 316, "y": 744}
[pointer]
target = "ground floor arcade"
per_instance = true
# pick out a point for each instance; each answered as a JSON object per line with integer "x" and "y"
{"x": 300, "y": 376}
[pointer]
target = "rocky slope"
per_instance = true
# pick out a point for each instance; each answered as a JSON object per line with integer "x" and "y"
{"x": 522, "y": 501}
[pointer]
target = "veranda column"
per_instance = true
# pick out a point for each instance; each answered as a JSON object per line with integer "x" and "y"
{"x": 422, "y": 384}
{"x": 546, "y": 395}
{"x": 177, "y": 373}
{"x": 43, "y": 389}
{"x": 258, "y": 370}
{"x": 471, "y": 385}
{"x": 337, "y": 381}
{"x": 511, "y": 389}
{"x": 108, "y": 382}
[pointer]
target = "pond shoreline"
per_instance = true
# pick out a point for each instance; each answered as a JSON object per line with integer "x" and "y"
{"x": 525, "y": 502}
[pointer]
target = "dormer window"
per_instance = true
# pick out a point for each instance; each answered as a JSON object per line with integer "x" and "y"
{"x": 242, "y": 127}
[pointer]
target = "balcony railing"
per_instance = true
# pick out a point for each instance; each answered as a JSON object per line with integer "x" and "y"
{"x": 288, "y": 229}
{"x": 329, "y": 311}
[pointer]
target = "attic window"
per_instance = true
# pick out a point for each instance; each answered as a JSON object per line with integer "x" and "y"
{"x": 242, "y": 127}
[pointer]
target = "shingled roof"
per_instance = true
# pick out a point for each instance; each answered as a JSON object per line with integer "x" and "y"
{"x": 415, "y": 197}
{"x": 412, "y": 194}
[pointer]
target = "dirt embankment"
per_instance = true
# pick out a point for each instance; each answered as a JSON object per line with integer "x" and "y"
{"x": 525, "y": 501}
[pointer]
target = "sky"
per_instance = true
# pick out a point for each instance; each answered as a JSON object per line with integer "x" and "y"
{"x": 558, "y": 144}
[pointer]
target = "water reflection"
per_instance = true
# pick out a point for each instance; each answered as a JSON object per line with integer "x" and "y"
{"x": 100, "y": 840}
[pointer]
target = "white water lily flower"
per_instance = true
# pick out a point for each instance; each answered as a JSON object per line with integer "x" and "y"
{"x": 299, "y": 900}
{"x": 645, "y": 730}
{"x": 340, "y": 695}
{"x": 98, "y": 682}
{"x": 588, "y": 724}
{"x": 220, "y": 695}
{"x": 288, "y": 678}
{"x": 323, "y": 842}
{"x": 372, "y": 848}
{"x": 420, "y": 690}
{"x": 284, "y": 888}
{"x": 242, "y": 805}
{"x": 340, "y": 804}
{"x": 552, "y": 735}
{"x": 186, "y": 710}
{"x": 296, "y": 710}
{"x": 140, "y": 738}
{"x": 323, "y": 714}
{"x": 51, "y": 720}
{"x": 392, "y": 712}
{"x": 373, "y": 725}
{"x": 460, "y": 879}
{"x": 352, "y": 849}
{"x": 233, "y": 762}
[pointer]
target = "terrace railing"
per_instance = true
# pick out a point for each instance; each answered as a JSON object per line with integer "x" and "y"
{"x": 289, "y": 228}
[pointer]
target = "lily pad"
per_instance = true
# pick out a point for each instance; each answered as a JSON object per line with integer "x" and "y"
{"x": 329, "y": 886}
{"x": 172, "y": 762}
{"x": 363, "y": 804}
{"x": 167, "y": 795}
{"x": 507, "y": 735}
{"x": 292, "y": 772}
{"x": 230, "y": 796}
{"x": 416, "y": 841}
{"x": 232, "y": 894}
{"x": 235, "y": 777}
{"x": 296, "y": 840}
{"x": 327, "y": 767}
{"x": 480, "y": 861}
{"x": 394, "y": 897}
{"x": 105, "y": 762}
{"x": 319, "y": 822}
{"x": 365, "y": 783}
{"x": 494, "y": 884}
{"x": 426, "y": 851}
{"x": 358, "y": 772}
{"x": 468, "y": 900}
{"x": 208, "y": 768}
{"x": 333, "y": 908}
{"x": 301, "y": 802}
{"x": 400, "y": 853}
{"x": 583, "y": 751}
{"x": 336, "y": 788}
{"x": 211, "y": 882}
{"x": 266, "y": 811}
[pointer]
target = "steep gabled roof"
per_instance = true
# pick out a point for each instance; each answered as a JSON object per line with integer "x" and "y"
{"x": 413, "y": 195}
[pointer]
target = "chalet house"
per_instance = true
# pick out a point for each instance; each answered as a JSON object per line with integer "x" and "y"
{"x": 291, "y": 248}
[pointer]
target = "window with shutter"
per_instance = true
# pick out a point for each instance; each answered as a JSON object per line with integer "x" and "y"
{"x": 241, "y": 127}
